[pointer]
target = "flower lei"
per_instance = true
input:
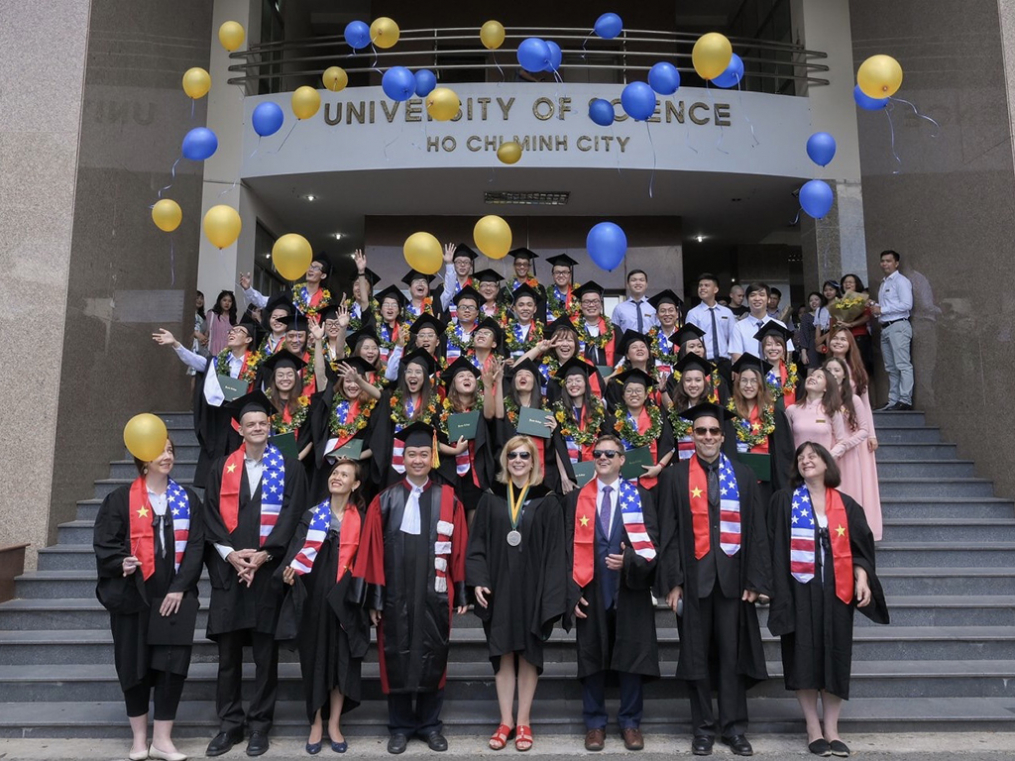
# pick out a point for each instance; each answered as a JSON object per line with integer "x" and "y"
{"x": 448, "y": 409}
{"x": 253, "y": 360}
{"x": 511, "y": 410}
{"x": 356, "y": 323}
{"x": 278, "y": 424}
{"x": 774, "y": 379}
{"x": 301, "y": 298}
{"x": 358, "y": 423}
{"x": 681, "y": 426}
{"x": 514, "y": 343}
{"x": 666, "y": 357}
{"x": 555, "y": 305}
{"x": 398, "y": 413}
{"x": 384, "y": 342}
{"x": 457, "y": 339}
{"x": 747, "y": 433}
{"x": 600, "y": 341}
{"x": 409, "y": 317}
{"x": 569, "y": 426}
{"x": 628, "y": 432}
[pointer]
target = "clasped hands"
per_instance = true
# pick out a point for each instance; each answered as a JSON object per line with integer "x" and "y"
{"x": 246, "y": 562}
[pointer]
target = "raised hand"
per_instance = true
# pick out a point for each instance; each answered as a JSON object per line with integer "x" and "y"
{"x": 315, "y": 328}
{"x": 163, "y": 337}
{"x": 449, "y": 252}
{"x": 245, "y": 280}
{"x": 343, "y": 313}
{"x": 361, "y": 261}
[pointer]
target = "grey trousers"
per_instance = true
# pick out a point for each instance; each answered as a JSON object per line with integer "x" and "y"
{"x": 896, "y": 341}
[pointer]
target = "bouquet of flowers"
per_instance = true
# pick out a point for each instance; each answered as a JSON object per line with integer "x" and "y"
{"x": 849, "y": 307}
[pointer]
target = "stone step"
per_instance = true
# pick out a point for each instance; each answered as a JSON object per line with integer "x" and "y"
{"x": 106, "y": 486}
{"x": 889, "y": 434}
{"x": 931, "y": 470}
{"x": 959, "y": 530}
{"x": 955, "y": 507}
{"x": 909, "y": 450}
{"x": 915, "y": 488}
{"x": 914, "y": 419}
{"x": 474, "y": 681}
{"x": 87, "y": 509}
{"x": 944, "y": 554}
{"x": 947, "y": 581}
{"x": 183, "y": 469}
{"x": 174, "y": 419}
{"x": 58, "y": 584}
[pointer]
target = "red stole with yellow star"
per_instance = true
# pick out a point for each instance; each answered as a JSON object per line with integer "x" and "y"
{"x": 698, "y": 484}
{"x": 585, "y": 516}
{"x": 142, "y": 535}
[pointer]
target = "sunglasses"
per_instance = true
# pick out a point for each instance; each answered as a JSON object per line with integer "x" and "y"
{"x": 523, "y": 455}
{"x": 609, "y": 454}
{"x": 702, "y": 431}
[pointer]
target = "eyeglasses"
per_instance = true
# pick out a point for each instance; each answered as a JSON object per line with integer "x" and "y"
{"x": 590, "y": 302}
{"x": 748, "y": 381}
{"x": 609, "y": 454}
{"x": 316, "y": 267}
{"x": 522, "y": 454}
{"x": 702, "y": 431}
{"x": 467, "y": 306}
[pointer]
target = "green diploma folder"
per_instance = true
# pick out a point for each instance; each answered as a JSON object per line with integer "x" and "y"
{"x": 761, "y": 464}
{"x": 286, "y": 444}
{"x": 605, "y": 370}
{"x": 634, "y": 459}
{"x": 583, "y": 472}
{"x": 232, "y": 388}
{"x": 463, "y": 425}
{"x": 532, "y": 422}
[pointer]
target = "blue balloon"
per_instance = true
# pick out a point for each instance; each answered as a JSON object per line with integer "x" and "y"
{"x": 398, "y": 83}
{"x": 555, "y": 56}
{"x": 816, "y": 198}
{"x": 607, "y": 245}
{"x": 426, "y": 81}
{"x": 866, "y": 102}
{"x": 638, "y": 100}
{"x": 533, "y": 55}
{"x": 267, "y": 118}
{"x": 601, "y": 112}
{"x": 200, "y": 144}
{"x": 733, "y": 74}
{"x": 357, "y": 34}
{"x": 664, "y": 78}
{"x": 609, "y": 26}
{"x": 821, "y": 148}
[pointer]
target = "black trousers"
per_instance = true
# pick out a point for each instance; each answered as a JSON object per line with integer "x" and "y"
{"x": 720, "y": 622}
{"x": 424, "y": 719}
{"x": 230, "y": 678}
{"x": 168, "y": 688}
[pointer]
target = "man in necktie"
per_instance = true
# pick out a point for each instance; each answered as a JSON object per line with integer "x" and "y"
{"x": 716, "y": 321}
{"x": 715, "y": 563}
{"x": 635, "y": 313}
{"x": 613, "y": 538}
{"x": 742, "y": 340}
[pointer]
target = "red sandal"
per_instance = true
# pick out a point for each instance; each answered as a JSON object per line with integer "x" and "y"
{"x": 523, "y": 738}
{"x": 499, "y": 738}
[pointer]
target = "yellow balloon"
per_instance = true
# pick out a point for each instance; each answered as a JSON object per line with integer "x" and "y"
{"x": 231, "y": 35}
{"x": 196, "y": 82}
{"x": 384, "y": 32}
{"x": 335, "y": 78}
{"x": 442, "y": 104}
{"x": 167, "y": 215}
{"x": 880, "y": 76}
{"x": 145, "y": 436}
{"x": 292, "y": 256}
{"x": 306, "y": 102}
{"x": 711, "y": 55}
{"x": 509, "y": 153}
{"x": 222, "y": 225}
{"x": 492, "y": 35}
{"x": 493, "y": 236}
{"x": 423, "y": 253}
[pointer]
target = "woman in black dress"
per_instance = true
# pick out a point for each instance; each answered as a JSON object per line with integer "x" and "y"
{"x": 333, "y": 631}
{"x": 516, "y": 563}
{"x": 149, "y": 546}
{"x": 823, "y": 568}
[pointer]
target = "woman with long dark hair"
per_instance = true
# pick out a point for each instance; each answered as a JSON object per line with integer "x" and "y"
{"x": 284, "y": 387}
{"x": 221, "y": 319}
{"x": 582, "y": 418}
{"x": 860, "y": 326}
{"x": 694, "y": 387}
{"x": 823, "y": 568}
{"x": 639, "y": 423}
{"x": 817, "y": 416}
{"x": 522, "y": 390}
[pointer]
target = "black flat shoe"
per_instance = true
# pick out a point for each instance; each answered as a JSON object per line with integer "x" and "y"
{"x": 701, "y": 745}
{"x": 223, "y": 742}
{"x": 397, "y": 744}
{"x": 258, "y": 744}
{"x": 436, "y": 741}
{"x": 313, "y": 748}
{"x": 739, "y": 745}
{"x": 820, "y": 747}
{"x": 839, "y": 748}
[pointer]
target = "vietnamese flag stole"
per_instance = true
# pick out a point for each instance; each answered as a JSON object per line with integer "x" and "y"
{"x": 585, "y": 517}
{"x": 804, "y": 544}
{"x": 142, "y": 535}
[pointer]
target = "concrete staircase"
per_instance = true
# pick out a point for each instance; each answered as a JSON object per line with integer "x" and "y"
{"x": 947, "y": 662}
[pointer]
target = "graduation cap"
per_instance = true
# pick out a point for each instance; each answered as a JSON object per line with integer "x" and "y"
{"x": 522, "y": 253}
{"x": 687, "y": 332}
{"x": 749, "y": 361}
{"x": 561, "y": 323}
{"x": 707, "y": 409}
{"x": 359, "y": 335}
{"x": 464, "y": 249}
{"x": 634, "y": 375}
{"x": 421, "y": 357}
{"x": 296, "y": 321}
{"x": 391, "y": 292}
{"x": 694, "y": 362}
{"x": 590, "y": 287}
{"x": 527, "y": 364}
{"x": 359, "y": 364}
{"x": 413, "y": 275}
{"x": 572, "y": 366}
{"x": 665, "y": 297}
{"x": 460, "y": 365}
{"x": 419, "y": 434}
{"x": 468, "y": 292}
{"x": 562, "y": 260}
{"x": 629, "y": 337}
{"x": 325, "y": 262}
{"x": 487, "y": 276}
{"x": 488, "y": 323}
{"x": 252, "y": 402}
{"x": 329, "y": 312}
{"x": 252, "y": 328}
{"x": 281, "y": 301}
{"x": 525, "y": 290}
{"x": 283, "y": 358}
{"x": 426, "y": 320}
{"x": 372, "y": 277}
{"x": 773, "y": 328}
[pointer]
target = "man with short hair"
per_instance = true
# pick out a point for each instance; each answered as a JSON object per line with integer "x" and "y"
{"x": 458, "y": 263}
{"x": 560, "y": 299}
{"x": 736, "y": 304}
{"x": 458, "y": 334}
{"x": 597, "y": 338}
{"x": 715, "y": 563}
{"x": 523, "y": 332}
{"x": 716, "y": 320}
{"x": 309, "y": 297}
{"x": 254, "y": 501}
{"x": 420, "y": 301}
{"x": 412, "y": 559}
{"x": 894, "y": 307}
{"x": 785, "y": 315}
{"x": 635, "y": 313}
{"x": 742, "y": 340}
{"x": 612, "y": 540}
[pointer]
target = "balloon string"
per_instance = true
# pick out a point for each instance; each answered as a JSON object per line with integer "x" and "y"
{"x": 796, "y": 219}
{"x": 722, "y": 132}
{"x": 503, "y": 76}
{"x": 585, "y": 50}
{"x": 376, "y": 58}
{"x": 652, "y": 177}
{"x": 172, "y": 261}
{"x": 891, "y": 129}
{"x": 687, "y": 134}
{"x": 740, "y": 102}
{"x": 279, "y": 149}
{"x": 392, "y": 142}
{"x": 922, "y": 116}
{"x": 172, "y": 178}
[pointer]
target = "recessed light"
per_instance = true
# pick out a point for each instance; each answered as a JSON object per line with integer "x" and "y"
{"x": 309, "y": 197}
{"x": 338, "y": 236}
{"x": 267, "y": 256}
{"x": 700, "y": 238}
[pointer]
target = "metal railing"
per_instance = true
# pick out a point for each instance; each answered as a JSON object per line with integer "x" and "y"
{"x": 457, "y": 55}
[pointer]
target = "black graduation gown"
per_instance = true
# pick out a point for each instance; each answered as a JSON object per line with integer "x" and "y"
{"x": 560, "y": 446}
{"x": 598, "y": 356}
{"x": 214, "y": 429}
{"x": 665, "y": 443}
{"x": 234, "y": 605}
{"x": 780, "y": 451}
{"x": 320, "y": 422}
{"x": 305, "y": 436}
{"x": 505, "y": 430}
{"x": 680, "y": 568}
{"x": 528, "y": 582}
{"x": 816, "y": 627}
{"x": 129, "y": 598}
{"x": 414, "y": 636}
{"x": 332, "y": 628}
{"x": 381, "y": 440}
{"x": 484, "y": 464}
{"x": 635, "y": 649}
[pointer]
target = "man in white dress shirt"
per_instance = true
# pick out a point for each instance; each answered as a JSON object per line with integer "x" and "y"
{"x": 636, "y": 313}
{"x": 716, "y": 320}
{"x": 895, "y": 304}
{"x": 742, "y": 340}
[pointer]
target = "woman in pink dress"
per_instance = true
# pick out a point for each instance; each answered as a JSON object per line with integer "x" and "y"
{"x": 221, "y": 319}
{"x": 817, "y": 416}
{"x": 842, "y": 345}
{"x": 858, "y": 469}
